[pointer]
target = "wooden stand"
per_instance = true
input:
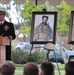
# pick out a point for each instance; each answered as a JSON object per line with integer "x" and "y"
{"x": 3, "y": 43}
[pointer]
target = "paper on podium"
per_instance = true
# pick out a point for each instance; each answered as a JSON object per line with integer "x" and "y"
{"x": 4, "y": 41}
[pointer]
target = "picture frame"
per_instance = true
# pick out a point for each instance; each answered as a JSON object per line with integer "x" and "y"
{"x": 71, "y": 29}
{"x": 46, "y": 32}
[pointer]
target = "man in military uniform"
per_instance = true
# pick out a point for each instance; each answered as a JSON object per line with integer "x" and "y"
{"x": 7, "y": 31}
{"x": 43, "y": 31}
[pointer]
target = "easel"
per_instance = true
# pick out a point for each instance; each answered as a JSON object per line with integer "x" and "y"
{"x": 44, "y": 10}
{"x": 47, "y": 58}
{"x": 52, "y": 49}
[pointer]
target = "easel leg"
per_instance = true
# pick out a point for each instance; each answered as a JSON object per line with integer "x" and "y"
{"x": 57, "y": 63}
{"x": 31, "y": 49}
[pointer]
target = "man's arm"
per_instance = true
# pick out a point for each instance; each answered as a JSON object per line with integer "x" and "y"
{"x": 12, "y": 32}
{"x": 36, "y": 33}
{"x": 50, "y": 33}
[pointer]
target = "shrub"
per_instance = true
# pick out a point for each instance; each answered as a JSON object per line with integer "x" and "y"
{"x": 38, "y": 57}
{"x": 20, "y": 57}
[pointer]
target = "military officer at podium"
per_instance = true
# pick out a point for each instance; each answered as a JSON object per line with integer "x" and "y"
{"x": 7, "y": 31}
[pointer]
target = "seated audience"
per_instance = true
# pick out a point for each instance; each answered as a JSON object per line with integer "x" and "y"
{"x": 30, "y": 69}
{"x": 47, "y": 68}
{"x": 7, "y": 68}
{"x": 69, "y": 68}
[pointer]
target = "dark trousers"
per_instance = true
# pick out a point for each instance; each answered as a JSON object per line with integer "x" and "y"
{"x": 8, "y": 52}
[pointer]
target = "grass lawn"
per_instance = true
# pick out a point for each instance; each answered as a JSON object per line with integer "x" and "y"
{"x": 19, "y": 70}
{"x": 61, "y": 66}
{"x": 59, "y": 69}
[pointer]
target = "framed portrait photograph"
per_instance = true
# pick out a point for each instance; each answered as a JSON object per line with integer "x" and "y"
{"x": 43, "y": 28}
{"x": 71, "y": 29}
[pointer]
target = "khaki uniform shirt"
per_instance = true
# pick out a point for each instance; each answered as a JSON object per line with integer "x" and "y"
{"x": 42, "y": 33}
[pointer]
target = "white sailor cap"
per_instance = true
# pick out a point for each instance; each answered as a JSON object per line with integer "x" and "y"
{"x": 2, "y": 11}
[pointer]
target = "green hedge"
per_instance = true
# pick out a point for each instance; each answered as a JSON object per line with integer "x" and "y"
{"x": 21, "y": 57}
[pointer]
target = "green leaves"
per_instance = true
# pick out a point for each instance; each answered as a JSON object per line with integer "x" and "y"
{"x": 63, "y": 21}
{"x": 63, "y": 9}
{"x": 26, "y": 13}
{"x": 20, "y": 57}
{"x": 25, "y": 29}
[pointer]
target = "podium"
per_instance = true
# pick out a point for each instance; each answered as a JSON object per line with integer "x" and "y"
{"x": 3, "y": 43}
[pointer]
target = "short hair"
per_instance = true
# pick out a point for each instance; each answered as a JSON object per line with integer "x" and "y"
{"x": 7, "y": 68}
{"x": 44, "y": 17}
{"x": 47, "y": 68}
{"x": 31, "y": 68}
{"x": 69, "y": 68}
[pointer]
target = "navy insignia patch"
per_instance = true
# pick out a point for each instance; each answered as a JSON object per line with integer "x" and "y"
{"x": 6, "y": 27}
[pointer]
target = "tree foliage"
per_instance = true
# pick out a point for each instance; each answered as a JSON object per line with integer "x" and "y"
{"x": 63, "y": 20}
{"x": 26, "y": 13}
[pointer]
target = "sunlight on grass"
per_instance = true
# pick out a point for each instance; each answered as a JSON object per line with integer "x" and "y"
{"x": 19, "y": 68}
{"x": 61, "y": 66}
{"x": 61, "y": 72}
{"x": 19, "y": 71}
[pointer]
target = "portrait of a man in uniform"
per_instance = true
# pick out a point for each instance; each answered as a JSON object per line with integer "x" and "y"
{"x": 71, "y": 29}
{"x": 43, "y": 31}
{"x": 43, "y": 27}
